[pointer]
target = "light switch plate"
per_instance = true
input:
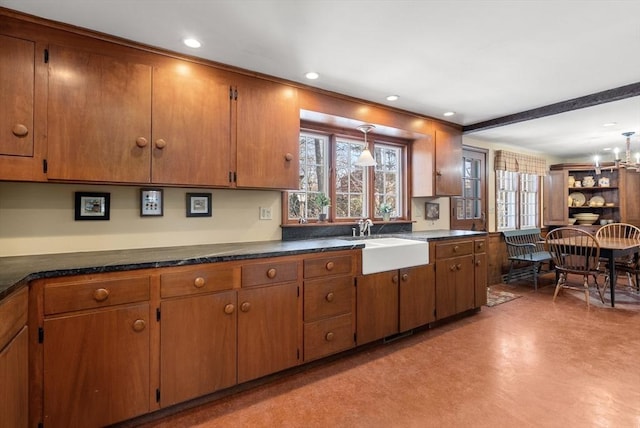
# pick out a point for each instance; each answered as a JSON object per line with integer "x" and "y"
{"x": 265, "y": 213}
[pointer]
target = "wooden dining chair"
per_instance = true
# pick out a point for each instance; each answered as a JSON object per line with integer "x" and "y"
{"x": 576, "y": 252}
{"x": 629, "y": 264}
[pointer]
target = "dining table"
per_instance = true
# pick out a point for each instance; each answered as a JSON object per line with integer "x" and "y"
{"x": 611, "y": 249}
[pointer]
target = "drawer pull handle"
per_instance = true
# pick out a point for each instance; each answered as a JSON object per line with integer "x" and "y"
{"x": 452, "y": 268}
{"x": 141, "y": 142}
{"x": 455, "y": 249}
{"x": 405, "y": 276}
{"x": 329, "y": 336}
{"x": 271, "y": 273}
{"x": 139, "y": 325}
{"x": 329, "y": 297}
{"x": 288, "y": 157}
{"x": 481, "y": 244}
{"x": 329, "y": 265}
{"x": 199, "y": 282}
{"x": 19, "y": 130}
{"x": 245, "y": 307}
{"x": 394, "y": 279}
{"x": 229, "y": 308}
{"x": 458, "y": 266}
{"x": 101, "y": 294}
{"x": 161, "y": 144}
{"x": 477, "y": 262}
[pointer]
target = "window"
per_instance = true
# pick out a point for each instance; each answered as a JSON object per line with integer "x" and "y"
{"x": 517, "y": 200}
{"x": 468, "y": 211}
{"x": 327, "y": 166}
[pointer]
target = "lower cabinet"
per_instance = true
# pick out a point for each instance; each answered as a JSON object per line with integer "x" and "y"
{"x": 14, "y": 371}
{"x": 393, "y": 302}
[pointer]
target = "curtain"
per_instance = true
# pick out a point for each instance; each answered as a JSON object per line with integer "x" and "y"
{"x": 518, "y": 162}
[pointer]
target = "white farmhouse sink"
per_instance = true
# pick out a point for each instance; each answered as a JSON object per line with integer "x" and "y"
{"x": 384, "y": 254}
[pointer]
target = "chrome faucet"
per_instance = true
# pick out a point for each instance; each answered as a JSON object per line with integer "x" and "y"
{"x": 365, "y": 226}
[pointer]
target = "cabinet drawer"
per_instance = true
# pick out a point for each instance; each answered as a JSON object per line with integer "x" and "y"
{"x": 70, "y": 296}
{"x": 328, "y": 297}
{"x": 480, "y": 245}
{"x": 269, "y": 273}
{"x": 454, "y": 249}
{"x": 326, "y": 337}
{"x": 201, "y": 280}
{"x": 325, "y": 266}
{"x": 13, "y": 315}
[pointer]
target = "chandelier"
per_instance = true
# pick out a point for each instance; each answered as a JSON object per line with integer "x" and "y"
{"x": 627, "y": 162}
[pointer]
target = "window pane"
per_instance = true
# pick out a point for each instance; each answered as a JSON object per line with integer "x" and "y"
{"x": 350, "y": 185}
{"x": 314, "y": 178}
{"x": 388, "y": 175}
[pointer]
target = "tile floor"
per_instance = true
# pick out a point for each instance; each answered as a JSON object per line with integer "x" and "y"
{"x": 525, "y": 363}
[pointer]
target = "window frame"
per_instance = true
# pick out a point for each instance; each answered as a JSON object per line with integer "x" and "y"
{"x": 333, "y": 135}
{"x": 519, "y": 203}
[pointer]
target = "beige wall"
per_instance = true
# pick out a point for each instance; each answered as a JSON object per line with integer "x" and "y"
{"x": 39, "y": 218}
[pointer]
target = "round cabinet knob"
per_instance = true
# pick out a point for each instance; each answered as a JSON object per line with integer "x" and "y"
{"x": 101, "y": 294}
{"x": 245, "y": 307}
{"x": 438, "y": 173}
{"x": 199, "y": 282}
{"x": 161, "y": 144}
{"x": 139, "y": 325}
{"x": 405, "y": 276}
{"x": 458, "y": 266}
{"x": 329, "y": 336}
{"x": 394, "y": 279}
{"x": 452, "y": 268}
{"x": 229, "y": 308}
{"x": 480, "y": 244}
{"x": 329, "y": 297}
{"x": 477, "y": 262}
{"x": 329, "y": 265}
{"x": 141, "y": 142}
{"x": 288, "y": 157}
{"x": 455, "y": 249}
{"x": 271, "y": 273}
{"x": 19, "y": 130}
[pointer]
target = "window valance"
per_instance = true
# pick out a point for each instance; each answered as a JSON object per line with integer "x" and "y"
{"x": 518, "y": 162}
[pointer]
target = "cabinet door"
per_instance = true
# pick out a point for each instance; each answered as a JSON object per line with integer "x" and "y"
{"x": 445, "y": 288}
{"x": 96, "y": 367}
{"x": 417, "y": 296}
{"x": 17, "y": 74}
{"x": 197, "y": 346}
{"x": 555, "y": 198}
{"x": 480, "y": 277}
{"x": 268, "y": 124}
{"x": 191, "y": 125}
{"x": 465, "y": 284}
{"x": 268, "y": 330}
{"x": 629, "y": 201}
{"x": 377, "y": 303}
{"x": 448, "y": 169}
{"x": 14, "y": 388}
{"x": 99, "y": 114}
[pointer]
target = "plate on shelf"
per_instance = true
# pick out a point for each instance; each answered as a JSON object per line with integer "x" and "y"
{"x": 578, "y": 199}
{"x": 596, "y": 201}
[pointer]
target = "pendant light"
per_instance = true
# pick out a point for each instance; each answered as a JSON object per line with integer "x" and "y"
{"x": 365, "y": 158}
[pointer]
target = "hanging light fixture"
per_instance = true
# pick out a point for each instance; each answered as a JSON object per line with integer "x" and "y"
{"x": 627, "y": 162}
{"x": 365, "y": 158}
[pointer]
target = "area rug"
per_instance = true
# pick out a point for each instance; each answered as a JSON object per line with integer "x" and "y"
{"x": 497, "y": 297}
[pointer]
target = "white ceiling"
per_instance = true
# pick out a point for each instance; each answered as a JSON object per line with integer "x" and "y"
{"x": 483, "y": 59}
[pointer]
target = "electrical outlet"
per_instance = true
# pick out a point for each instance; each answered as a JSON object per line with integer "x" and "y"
{"x": 265, "y": 213}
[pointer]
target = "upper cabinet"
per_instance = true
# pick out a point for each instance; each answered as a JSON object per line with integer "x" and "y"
{"x": 437, "y": 162}
{"x": 268, "y": 127}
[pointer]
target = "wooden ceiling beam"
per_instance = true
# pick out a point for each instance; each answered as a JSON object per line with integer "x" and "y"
{"x": 610, "y": 95}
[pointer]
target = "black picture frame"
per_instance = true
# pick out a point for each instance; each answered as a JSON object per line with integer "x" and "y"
{"x": 431, "y": 211}
{"x": 151, "y": 202}
{"x": 198, "y": 204}
{"x": 92, "y": 206}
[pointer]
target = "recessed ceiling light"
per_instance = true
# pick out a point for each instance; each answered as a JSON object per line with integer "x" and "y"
{"x": 192, "y": 43}
{"x": 392, "y": 98}
{"x": 610, "y": 124}
{"x": 449, "y": 113}
{"x": 312, "y": 75}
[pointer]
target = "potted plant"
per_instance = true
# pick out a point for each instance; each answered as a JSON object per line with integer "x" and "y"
{"x": 323, "y": 202}
{"x": 386, "y": 210}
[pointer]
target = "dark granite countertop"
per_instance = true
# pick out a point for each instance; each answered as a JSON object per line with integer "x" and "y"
{"x": 16, "y": 272}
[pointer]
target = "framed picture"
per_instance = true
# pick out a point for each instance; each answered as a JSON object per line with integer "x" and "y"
{"x": 151, "y": 202}
{"x": 431, "y": 211}
{"x": 198, "y": 204}
{"x": 92, "y": 206}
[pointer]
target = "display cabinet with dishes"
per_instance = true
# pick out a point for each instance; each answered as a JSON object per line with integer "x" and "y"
{"x": 581, "y": 195}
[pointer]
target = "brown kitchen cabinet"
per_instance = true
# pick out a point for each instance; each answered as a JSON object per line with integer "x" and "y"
{"x": 481, "y": 272}
{"x": 198, "y": 342}
{"x": 329, "y": 304}
{"x": 268, "y": 126}
{"x": 116, "y": 118}
{"x": 394, "y": 301}
{"x": 22, "y": 72}
{"x": 455, "y": 284}
{"x": 94, "y": 350}
{"x": 14, "y": 368}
